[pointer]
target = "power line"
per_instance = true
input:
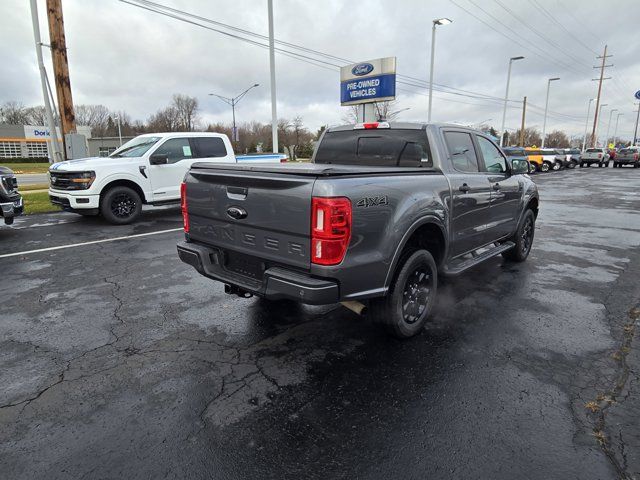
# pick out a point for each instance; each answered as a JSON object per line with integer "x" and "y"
{"x": 328, "y": 65}
{"x": 178, "y": 15}
{"x": 544, "y": 56}
{"x": 527, "y": 26}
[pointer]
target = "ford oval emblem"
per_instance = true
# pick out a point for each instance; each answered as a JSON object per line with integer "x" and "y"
{"x": 362, "y": 69}
{"x": 236, "y": 212}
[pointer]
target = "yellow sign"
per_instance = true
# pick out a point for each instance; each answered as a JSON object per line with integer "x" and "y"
{"x": 611, "y": 145}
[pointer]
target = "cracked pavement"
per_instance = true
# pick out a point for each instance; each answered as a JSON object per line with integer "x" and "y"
{"x": 119, "y": 361}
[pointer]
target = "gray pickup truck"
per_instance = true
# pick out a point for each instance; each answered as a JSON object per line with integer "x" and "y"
{"x": 371, "y": 222}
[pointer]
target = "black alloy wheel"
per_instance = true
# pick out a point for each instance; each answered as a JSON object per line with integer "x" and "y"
{"x": 120, "y": 205}
{"x": 123, "y": 205}
{"x": 415, "y": 296}
{"x": 405, "y": 309}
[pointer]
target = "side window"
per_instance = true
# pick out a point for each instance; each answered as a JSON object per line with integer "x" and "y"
{"x": 176, "y": 149}
{"x": 209, "y": 147}
{"x": 493, "y": 160}
{"x": 463, "y": 154}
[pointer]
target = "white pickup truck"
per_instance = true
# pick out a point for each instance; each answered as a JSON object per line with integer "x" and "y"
{"x": 146, "y": 170}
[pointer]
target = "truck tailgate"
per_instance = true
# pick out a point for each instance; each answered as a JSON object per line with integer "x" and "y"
{"x": 261, "y": 214}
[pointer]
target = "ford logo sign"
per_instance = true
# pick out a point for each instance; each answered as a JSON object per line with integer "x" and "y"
{"x": 362, "y": 69}
{"x": 236, "y": 212}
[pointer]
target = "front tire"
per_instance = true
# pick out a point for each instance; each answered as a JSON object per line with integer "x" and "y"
{"x": 406, "y": 308}
{"x": 523, "y": 238}
{"x": 545, "y": 167}
{"x": 557, "y": 166}
{"x": 120, "y": 205}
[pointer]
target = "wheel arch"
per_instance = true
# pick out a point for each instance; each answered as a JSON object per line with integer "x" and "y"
{"x": 428, "y": 233}
{"x": 124, "y": 183}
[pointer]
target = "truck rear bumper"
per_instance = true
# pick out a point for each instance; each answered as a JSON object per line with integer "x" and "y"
{"x": 277, "y": 283}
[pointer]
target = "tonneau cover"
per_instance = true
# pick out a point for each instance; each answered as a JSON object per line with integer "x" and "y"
{"x": 314, "y": 169}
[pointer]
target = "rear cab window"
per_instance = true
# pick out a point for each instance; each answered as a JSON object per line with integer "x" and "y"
{"x": 379, "y": 147}
{"x": 209, "y": 147}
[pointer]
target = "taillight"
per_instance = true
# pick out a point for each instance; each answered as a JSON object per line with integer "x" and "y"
{"x": 635, "y": 156}
{"x": 330, "y": 229}
{"x": 283, "y": 160}
{"x": 183, "y": 206}
{"x": 599, "y": 155}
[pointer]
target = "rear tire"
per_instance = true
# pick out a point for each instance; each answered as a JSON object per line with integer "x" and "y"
{"x": 405, "y": 309}
{"x": 556, "y": 166}
{"x": 532, "y": 167}
{"x": 523, "y": 238}
{"x": 120, "y": 205}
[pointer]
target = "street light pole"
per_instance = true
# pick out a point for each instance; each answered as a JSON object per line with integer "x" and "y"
{"x": 615, "y": 130}
{"x": 586, "y": 126}
{"x": 119, "y": 131}
{"x": 436, "y": 22}
{"x": 606, "y": 137}
{"x": 233, "y": 101}
{"x": 597, "y": 124}
{"x": 506, "y": 99}
{"x": 546, "y": 108}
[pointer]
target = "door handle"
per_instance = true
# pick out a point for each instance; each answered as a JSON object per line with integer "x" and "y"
{"x": 496, "y": 186}
{"x": 464, "y": 188}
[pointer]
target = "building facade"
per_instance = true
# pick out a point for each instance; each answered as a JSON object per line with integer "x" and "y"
{"x": 30, "y": 141}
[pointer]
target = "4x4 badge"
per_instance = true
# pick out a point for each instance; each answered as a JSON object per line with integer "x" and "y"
{"x": 372, "y": 201}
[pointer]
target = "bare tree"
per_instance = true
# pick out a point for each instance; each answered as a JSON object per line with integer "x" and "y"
{"x": 94, "y": 116}
{"x": 532, "y": 137}
{"x": 164, "y": 120}
{"x": 35, "y": 116}
{"x": 14, "y": 113}
{"x": 557, "y": 139}
{"x": 387, "y": 111}
{"x": 350, "y": 115}
{"x": 186, "y": 110}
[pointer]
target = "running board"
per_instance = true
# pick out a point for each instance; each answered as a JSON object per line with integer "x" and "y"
{"x": 463, "y": 265}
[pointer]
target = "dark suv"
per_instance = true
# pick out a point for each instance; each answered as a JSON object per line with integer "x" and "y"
{"x": 10, "y": 200}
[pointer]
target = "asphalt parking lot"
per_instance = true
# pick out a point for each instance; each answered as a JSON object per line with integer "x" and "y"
{"x": 119, "y": 361}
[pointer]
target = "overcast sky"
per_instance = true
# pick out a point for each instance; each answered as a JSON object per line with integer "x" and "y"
{"x": 131, "y": 59}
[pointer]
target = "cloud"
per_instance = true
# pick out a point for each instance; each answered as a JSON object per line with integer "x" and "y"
{"x": 131, "y": 59}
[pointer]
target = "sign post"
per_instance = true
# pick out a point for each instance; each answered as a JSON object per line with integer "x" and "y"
{"x": 366, "y": 83}
{"x": 635, "y": 130}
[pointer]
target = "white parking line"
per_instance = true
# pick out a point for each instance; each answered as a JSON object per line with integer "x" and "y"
{"x": 93, "y": 242}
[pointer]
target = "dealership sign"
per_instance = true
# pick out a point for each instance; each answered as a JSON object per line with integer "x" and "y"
{"x": 368, "y": 82}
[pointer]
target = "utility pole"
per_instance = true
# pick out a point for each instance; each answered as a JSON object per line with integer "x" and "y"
{"x": 56, "y": 155}
{"x": 60, "y": 66}
{"x": 272, "y": 69}
{"x": 524, "y": 111}
{"x": 602, "y": 77}
{"x": 635, "y": 131}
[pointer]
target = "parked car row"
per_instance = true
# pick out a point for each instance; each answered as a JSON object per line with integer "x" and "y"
{"x": 545, "y": 160}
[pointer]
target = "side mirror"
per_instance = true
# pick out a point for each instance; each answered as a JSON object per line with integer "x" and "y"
{"x": 158, "y": 159}
{"x": 519, "y": 166}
